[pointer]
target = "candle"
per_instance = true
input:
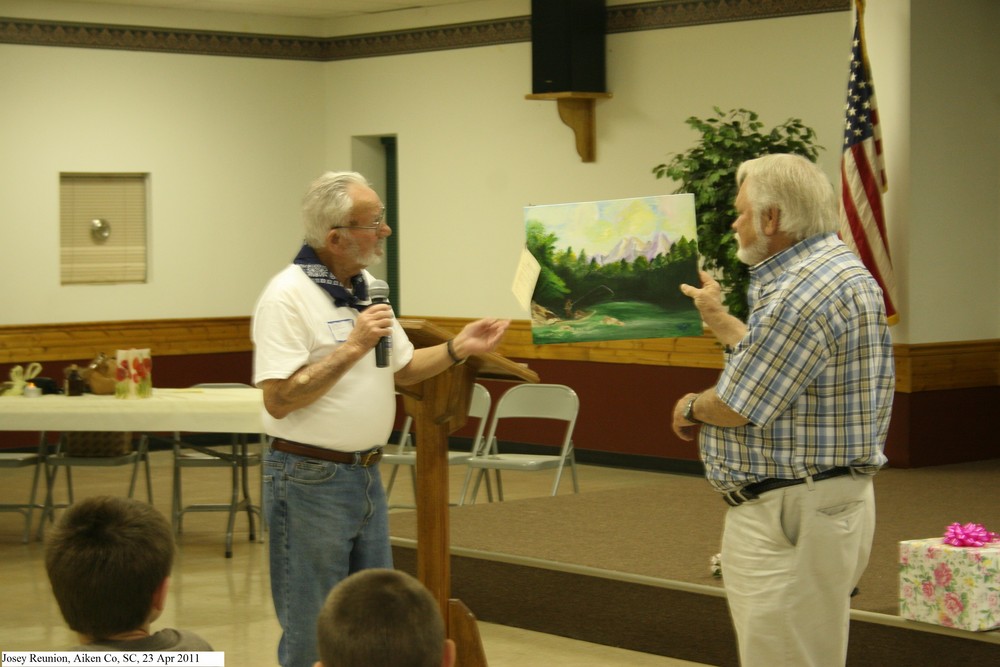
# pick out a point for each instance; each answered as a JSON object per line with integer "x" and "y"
{"x": 31, "y": 391}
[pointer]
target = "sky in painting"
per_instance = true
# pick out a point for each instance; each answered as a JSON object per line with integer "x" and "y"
{"x": 596, "y": 227}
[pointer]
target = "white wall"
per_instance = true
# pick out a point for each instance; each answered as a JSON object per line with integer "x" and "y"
{"x": 473, "y": 152}
{"x": 232, "y": 143}
{"x": 229, "y": 144}
{"x": 953, "y": 276}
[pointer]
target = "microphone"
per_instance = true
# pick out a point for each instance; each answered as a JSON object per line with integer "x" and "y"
{"x": 379, "y": 292}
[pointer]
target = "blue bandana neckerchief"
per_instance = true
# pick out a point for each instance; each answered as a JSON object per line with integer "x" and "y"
{"x": 319, "y": 274}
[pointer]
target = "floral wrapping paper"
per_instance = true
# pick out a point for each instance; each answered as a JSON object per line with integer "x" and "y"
{"x": 134, "y": 374}
{"x": 953, "y": 586}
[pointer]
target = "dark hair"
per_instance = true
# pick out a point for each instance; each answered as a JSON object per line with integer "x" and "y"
{"x": 105, "y": 560}
{"x": 380, "y": 618}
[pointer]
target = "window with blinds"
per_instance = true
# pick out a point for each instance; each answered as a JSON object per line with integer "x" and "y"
{"x": 102, "y": 222}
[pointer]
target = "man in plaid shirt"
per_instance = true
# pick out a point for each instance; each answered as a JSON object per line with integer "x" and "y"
{"x": 793, "y": 431}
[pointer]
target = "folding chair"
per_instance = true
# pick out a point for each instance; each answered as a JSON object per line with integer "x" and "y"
{"x": 34, "y": 459}
{"x": 528, "y": 401}
{"x": 403, "y": 453}
{"x": 61, "y": 458}
{"x": 235, "y": 457}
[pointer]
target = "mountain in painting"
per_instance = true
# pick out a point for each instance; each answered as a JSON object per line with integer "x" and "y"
{"x": 631, "y": 248}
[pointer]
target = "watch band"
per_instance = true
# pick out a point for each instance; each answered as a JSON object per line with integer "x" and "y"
{"x": 689, "y": 411}
{"x": 451, "y": 353}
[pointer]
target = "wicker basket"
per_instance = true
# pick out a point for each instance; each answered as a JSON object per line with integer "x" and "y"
{"x": 97, "y": 443}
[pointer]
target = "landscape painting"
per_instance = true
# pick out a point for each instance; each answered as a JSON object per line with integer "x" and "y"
{"x": 612, "y": 270}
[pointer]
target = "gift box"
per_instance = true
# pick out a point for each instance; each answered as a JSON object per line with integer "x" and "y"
{"x": 953, "y": 586}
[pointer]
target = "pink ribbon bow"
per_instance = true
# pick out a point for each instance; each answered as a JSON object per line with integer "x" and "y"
{"x": 969, "y": 535}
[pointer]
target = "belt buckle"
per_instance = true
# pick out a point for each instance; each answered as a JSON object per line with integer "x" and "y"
{"x": 368, "y": 458}
{"x": 737, "y": 497}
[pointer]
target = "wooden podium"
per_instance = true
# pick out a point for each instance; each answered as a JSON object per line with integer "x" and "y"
{"x": 439, "y": 407}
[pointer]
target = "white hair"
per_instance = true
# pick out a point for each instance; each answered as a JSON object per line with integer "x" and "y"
{"x": 328, "y": 204}
{"x": 796, "y": 187}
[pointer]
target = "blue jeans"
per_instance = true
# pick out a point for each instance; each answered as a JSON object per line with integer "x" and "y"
{"x": 326, "y": 520}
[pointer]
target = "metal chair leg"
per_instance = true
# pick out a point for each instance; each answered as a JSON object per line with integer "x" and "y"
{"x": 245, "y": 483}
{"x": 233, "y": 508}
{"x": 32, "y": 501}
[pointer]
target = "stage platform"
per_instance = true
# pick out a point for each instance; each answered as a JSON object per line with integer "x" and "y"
{"x": 630, "y": 567}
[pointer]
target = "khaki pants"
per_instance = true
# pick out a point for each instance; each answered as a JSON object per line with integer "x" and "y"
{"x": 789, "y": 562}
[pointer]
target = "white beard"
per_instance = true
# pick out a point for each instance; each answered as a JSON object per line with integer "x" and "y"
{"x": 755, "y": 253}
{"x": 371, "y": 259}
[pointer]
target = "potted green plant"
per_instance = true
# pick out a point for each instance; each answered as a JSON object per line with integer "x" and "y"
{"x": 708, "y": 170}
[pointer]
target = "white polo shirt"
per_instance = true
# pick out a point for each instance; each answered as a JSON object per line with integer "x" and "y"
{"x": 294, "y": 324}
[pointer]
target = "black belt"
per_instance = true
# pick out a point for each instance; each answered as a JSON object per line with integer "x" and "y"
{"x": 363, "y": 459}
{"x": 753, "y": 491}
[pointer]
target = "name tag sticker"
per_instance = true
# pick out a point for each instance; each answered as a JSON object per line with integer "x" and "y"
{"x": 340, "y": 329}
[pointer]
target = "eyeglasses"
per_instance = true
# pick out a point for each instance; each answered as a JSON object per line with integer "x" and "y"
{"x": 375, "y": 226}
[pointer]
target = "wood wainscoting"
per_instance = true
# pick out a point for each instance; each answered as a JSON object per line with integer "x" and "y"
{"x": 82, "y": 340}
{"x": 921, "y": 367}
{"x": 626, "y": 388}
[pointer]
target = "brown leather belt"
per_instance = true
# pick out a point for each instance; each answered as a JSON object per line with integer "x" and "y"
{"x": 363, "y": 459}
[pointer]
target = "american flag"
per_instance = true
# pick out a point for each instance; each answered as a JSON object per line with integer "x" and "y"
{"x": 862, "y": 173}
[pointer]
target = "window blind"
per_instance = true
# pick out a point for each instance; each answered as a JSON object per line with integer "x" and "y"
{"x": 119, "y": 200}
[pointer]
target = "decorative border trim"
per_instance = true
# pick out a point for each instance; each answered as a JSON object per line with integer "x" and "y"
{"x": 421, "y": 40}
{"x": 678, "y": 13}
{"x": 623, "y": 18}
{"x": 136, "y": 38}
{"x": 919, "y": 368}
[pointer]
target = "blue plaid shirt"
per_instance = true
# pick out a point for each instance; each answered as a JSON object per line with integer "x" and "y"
{"x": 814, "y": 374}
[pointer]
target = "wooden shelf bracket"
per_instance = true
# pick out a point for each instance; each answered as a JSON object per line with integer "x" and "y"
{"x": 577, "y": 112}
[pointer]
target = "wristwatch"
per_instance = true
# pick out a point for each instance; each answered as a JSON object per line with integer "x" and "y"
{"x": 689, "y": 411}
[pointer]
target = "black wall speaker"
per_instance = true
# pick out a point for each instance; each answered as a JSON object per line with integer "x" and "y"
{"x": 567, "y": 46}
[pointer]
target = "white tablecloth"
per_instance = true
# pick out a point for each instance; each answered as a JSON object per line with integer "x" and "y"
{"x": 209, "y": 410}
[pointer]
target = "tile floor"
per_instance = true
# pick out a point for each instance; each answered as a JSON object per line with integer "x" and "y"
{"x": 228, "y": 600}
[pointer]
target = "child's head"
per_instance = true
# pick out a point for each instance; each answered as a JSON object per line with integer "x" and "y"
{"x": 379, "y": 618}
{"x": 107, "y": 560}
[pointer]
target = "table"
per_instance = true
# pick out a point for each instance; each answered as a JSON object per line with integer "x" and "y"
{"x": 206, "y": 410}
{"x": 201, "y": 409}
